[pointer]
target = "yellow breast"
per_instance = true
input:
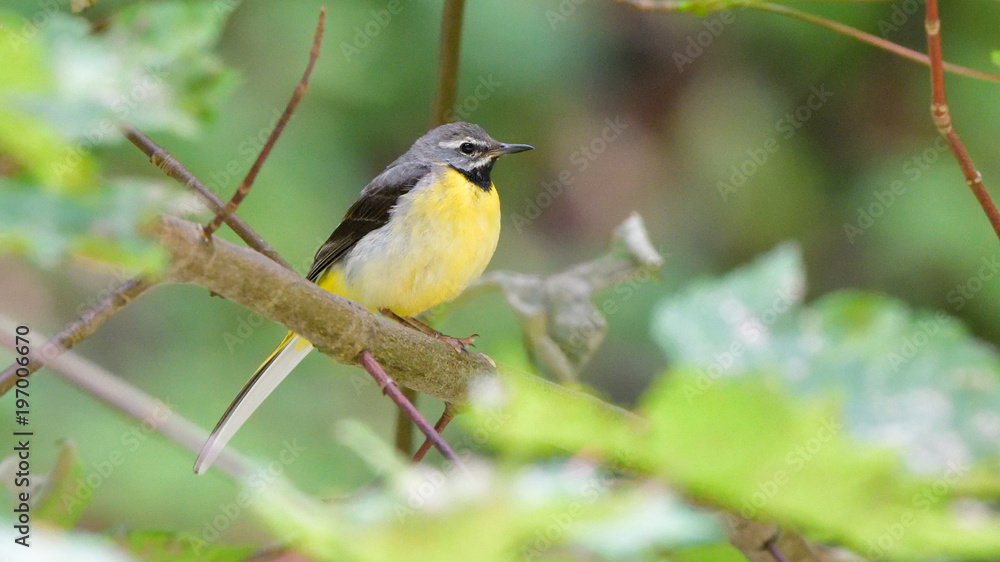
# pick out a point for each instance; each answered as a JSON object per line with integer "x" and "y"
{"x": 441, "y": 237}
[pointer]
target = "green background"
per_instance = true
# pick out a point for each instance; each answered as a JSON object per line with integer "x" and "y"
{"x": 559, "y": 81}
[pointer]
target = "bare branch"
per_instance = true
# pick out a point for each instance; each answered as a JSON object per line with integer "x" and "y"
{"x": 875, "y": 41}
{"x": 170, "y": 166}
{"x": 942, "y": 118}
{"x": 390, "y": 389}
{"x": 80, "y": 330}
{"x": 446, "y": 416}
{"x": 244, "y": 188}
{"x": 562, "y": 326}
{"x": 336, "y": 326}
{"x": 135, "y": 403}
{"x": 870, "y": 39}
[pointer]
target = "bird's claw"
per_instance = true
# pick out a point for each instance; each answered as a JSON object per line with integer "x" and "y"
{"x": 461, "y": 345}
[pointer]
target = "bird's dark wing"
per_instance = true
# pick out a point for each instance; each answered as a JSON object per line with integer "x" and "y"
{"x": 368, "y": 213}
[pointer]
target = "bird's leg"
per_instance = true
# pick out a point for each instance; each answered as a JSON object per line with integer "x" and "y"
{"x": 460, "y": 344}
{"x": 446, "y": 416}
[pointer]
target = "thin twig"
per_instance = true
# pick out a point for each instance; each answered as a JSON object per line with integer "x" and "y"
{"x": 170, "y": 166}
{"x": 244, "y": 188}
{"x": 79, "y": 330}
{"x": 446, "y": 417}
{"x": 666, "y": 6}
{"x": 88, "y": 323}
{"x": 871, "y": 39}
{"x": 122, "y": 396}
{"x": 451, "y": 38}
{"x": 942, "y": 118}
{"x": 389, "y": 388}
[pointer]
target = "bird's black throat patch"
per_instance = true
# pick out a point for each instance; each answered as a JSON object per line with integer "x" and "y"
{"x": 479, "y": 176}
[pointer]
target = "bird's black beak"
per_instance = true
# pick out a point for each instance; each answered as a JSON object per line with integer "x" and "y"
{"x": 505, "y": 148}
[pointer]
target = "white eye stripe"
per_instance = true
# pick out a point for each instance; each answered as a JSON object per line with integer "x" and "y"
{"x": 457, "y": 143}
{"x": 454, "y": 143}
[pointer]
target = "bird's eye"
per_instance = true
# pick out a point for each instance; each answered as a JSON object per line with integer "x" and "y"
{"x": 467, "y": 148}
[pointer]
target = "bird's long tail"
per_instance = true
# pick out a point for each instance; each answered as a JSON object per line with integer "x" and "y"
{"x": 269, "y": 375}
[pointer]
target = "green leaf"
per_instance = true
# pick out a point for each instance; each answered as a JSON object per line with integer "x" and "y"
{"x": 153, "y": 66}
{"x": 53, "y": 497}
{"x": 32, "y": 146}
{"x": 913, "y": 380}
{"x": 726, "y": 326}
{"x": 747, "y": 446}
{"x": 55, "y": 500}
{"x": 103, "y": 226}
{"x": 64, "y": 90}
{"x": 481, "y": 513}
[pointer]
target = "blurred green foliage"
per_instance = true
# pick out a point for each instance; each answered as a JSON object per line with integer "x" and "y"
{"x": 859, "y": 180}
{"x": 61, "y": 98}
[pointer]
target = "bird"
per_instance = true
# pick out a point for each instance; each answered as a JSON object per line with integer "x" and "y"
{"x": 419, "y": 233}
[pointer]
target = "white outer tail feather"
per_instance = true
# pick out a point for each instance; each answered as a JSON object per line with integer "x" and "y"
{"x": 260, "y": 386}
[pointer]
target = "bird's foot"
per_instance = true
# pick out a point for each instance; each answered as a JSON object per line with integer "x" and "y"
{"x": 460, "y": 345}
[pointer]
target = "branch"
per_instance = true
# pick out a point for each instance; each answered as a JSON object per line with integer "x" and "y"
{"x": 561, "y": 325}
{"x": 451, "y": 37}
{"x": 170, "y": 166}
{"x": 942, "y": 118}
{"x": 336, "y": 326}
{"x": 135, "y": 403}
{"x": 244, "y": 188}
{"x": 78, "y": 331}
{"x": 871, "y": 40}
{"x": 91, "y": 320}
{"x": 875, "y": 41}
{"x": 390, "y": 389}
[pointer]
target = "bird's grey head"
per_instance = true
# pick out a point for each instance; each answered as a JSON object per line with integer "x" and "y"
{"x": 465, "y": 147}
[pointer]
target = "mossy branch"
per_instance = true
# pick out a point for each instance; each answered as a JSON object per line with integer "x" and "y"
{"x": 337, "y": 327}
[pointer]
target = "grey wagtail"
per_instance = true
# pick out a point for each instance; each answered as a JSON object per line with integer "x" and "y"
{"x": 419, "y": 234}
